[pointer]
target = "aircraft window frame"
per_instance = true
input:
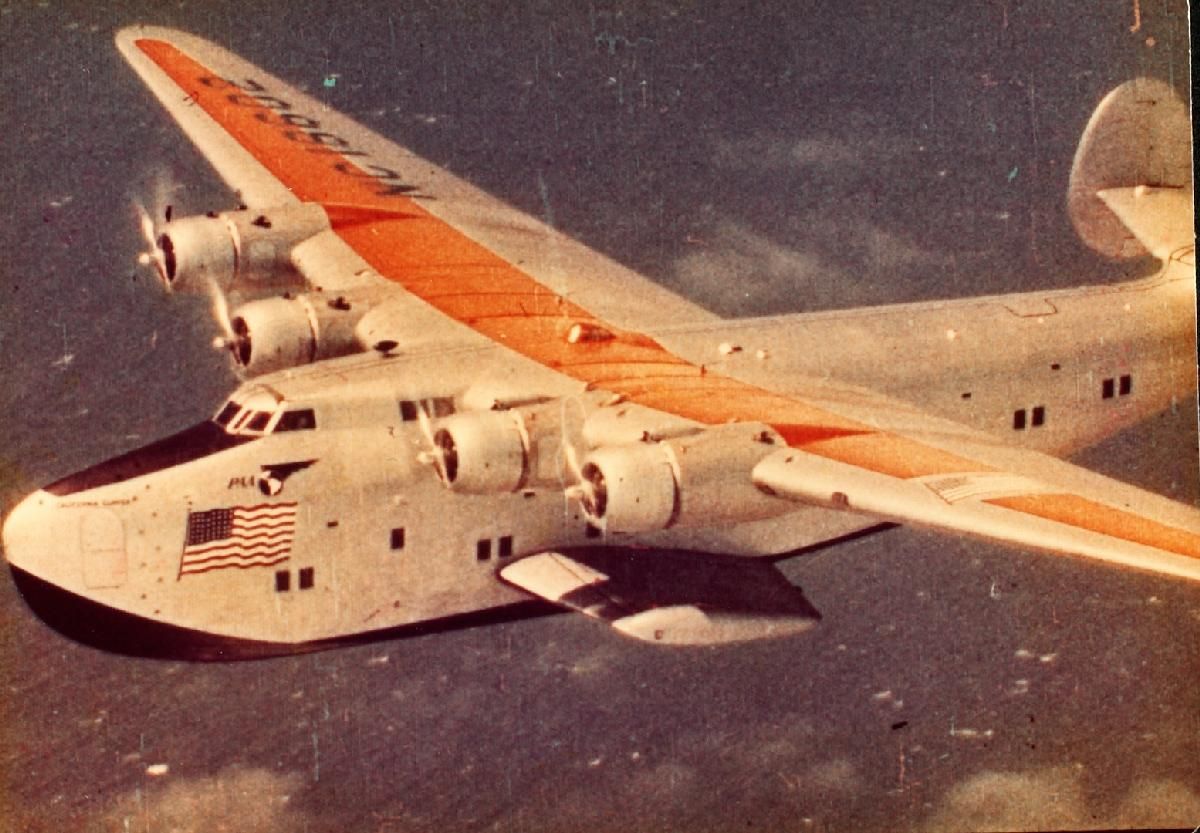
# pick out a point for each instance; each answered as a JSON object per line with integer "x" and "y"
{"x": 235, "y": 427}
{"x": 227, "y": 412}
{"x": 263, "y": 418}
{"x": 307, "y": 418}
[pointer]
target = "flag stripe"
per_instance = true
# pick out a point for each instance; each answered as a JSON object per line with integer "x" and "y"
{"x": 278, "y": 560}
{"x": 223, "y": 556}
{"x": 285, "y": 543}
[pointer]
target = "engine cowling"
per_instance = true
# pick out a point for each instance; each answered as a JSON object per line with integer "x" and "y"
{"x": 274, "y": 333}
{"x": 697, "y": 480}
{"x": 237, "y": 250}
{"x": 489, "y": 452}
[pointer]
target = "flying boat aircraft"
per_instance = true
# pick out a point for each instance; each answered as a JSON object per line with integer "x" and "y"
{"x": 452, "y": 412}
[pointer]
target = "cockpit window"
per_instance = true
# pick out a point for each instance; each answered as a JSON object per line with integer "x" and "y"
{"x": 258, "y": 421}
{"x": 227, "y": 413}
{"x": 300, "y": 420}
{"x": 250, "y": 413}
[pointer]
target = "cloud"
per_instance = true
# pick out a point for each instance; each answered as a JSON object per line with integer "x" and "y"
{"x": 837, "y": 776}
{"x": 765, "y": 152}
{"x": 1047, "y": 800}
{"x": 739, "y": 270}
{"x": 1054, "y": 798}
{"x": 236, "y": 799}
{"x": 860, "y": 144}
{"x": 826, "y": 263}
{"x": 818, "y": 221}
{"x": 1158, "y": 803}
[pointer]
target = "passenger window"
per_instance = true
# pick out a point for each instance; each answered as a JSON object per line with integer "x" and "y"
{"x": 301, "y": 420}
{"x": 227, "y": 413}
{"x": 259, "y": 421}
{"x": 506, "y": 546}
{"x": 307, "y": 579}
{"x": 441, "y": 406}
{"x": 408, "y": 410}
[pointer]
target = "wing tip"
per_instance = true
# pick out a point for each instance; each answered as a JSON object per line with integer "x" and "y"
{"x": 127, "y": 37}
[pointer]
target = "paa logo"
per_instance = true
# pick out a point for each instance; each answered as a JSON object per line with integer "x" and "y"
{"x": 274, "y": 475}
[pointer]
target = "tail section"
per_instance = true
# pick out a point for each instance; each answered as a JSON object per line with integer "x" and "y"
{"x": 1131, "y": 182}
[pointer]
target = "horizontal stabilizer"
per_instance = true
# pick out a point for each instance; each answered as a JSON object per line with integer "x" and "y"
{"x": 1160, "y": 219}
{"x": 669, "y": 597}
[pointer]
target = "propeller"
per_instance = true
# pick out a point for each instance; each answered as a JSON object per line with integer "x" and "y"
{"x": 582, "y": 482}
{"x": 232, "y": 336}
{"x": 439, "y": 450}
{"x": 159, "y": 211}
{"x": 153, "y": 253}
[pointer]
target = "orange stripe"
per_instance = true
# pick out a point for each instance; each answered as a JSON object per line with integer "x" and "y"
{"x": 894, "y": 455}
{"x": 471, "y": 284}
{"x": 1080, "y": 512}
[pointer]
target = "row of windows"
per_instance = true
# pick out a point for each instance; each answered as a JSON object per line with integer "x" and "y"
{"x": 1034, "y": 418}
{"x": 1122, "y": 386}
{"x": 483, "y": 547}
{"x": 304, "y": 579}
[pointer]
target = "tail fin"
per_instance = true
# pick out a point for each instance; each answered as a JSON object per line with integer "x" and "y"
{"x": 1131, "y": 183}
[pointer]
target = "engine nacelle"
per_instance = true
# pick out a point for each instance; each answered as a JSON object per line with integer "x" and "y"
{"x": 697, "y": 480}
{"x": 237, "y": 250}
{"x": 274, "y": 333}
{"x": 489, "y": 452}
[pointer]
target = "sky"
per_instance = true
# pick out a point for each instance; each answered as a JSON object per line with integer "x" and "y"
{"x": 760, "y": 158}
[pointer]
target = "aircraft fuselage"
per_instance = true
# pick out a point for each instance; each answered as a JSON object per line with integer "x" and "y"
{"x": 347, "y": 531}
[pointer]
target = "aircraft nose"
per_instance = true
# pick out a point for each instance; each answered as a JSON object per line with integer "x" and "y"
{"x": 25, "y": 528}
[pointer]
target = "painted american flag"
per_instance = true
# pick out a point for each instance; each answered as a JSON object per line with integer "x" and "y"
{"x": 238, "y": 536}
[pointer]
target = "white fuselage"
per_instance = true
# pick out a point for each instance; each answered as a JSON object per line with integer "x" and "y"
{"x": 380, "y": 542}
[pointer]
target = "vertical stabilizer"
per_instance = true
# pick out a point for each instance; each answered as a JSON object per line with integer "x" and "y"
{"x": 1139, "y": 137}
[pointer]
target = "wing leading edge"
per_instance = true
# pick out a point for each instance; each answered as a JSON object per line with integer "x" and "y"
{"x": 275, "y": 145}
